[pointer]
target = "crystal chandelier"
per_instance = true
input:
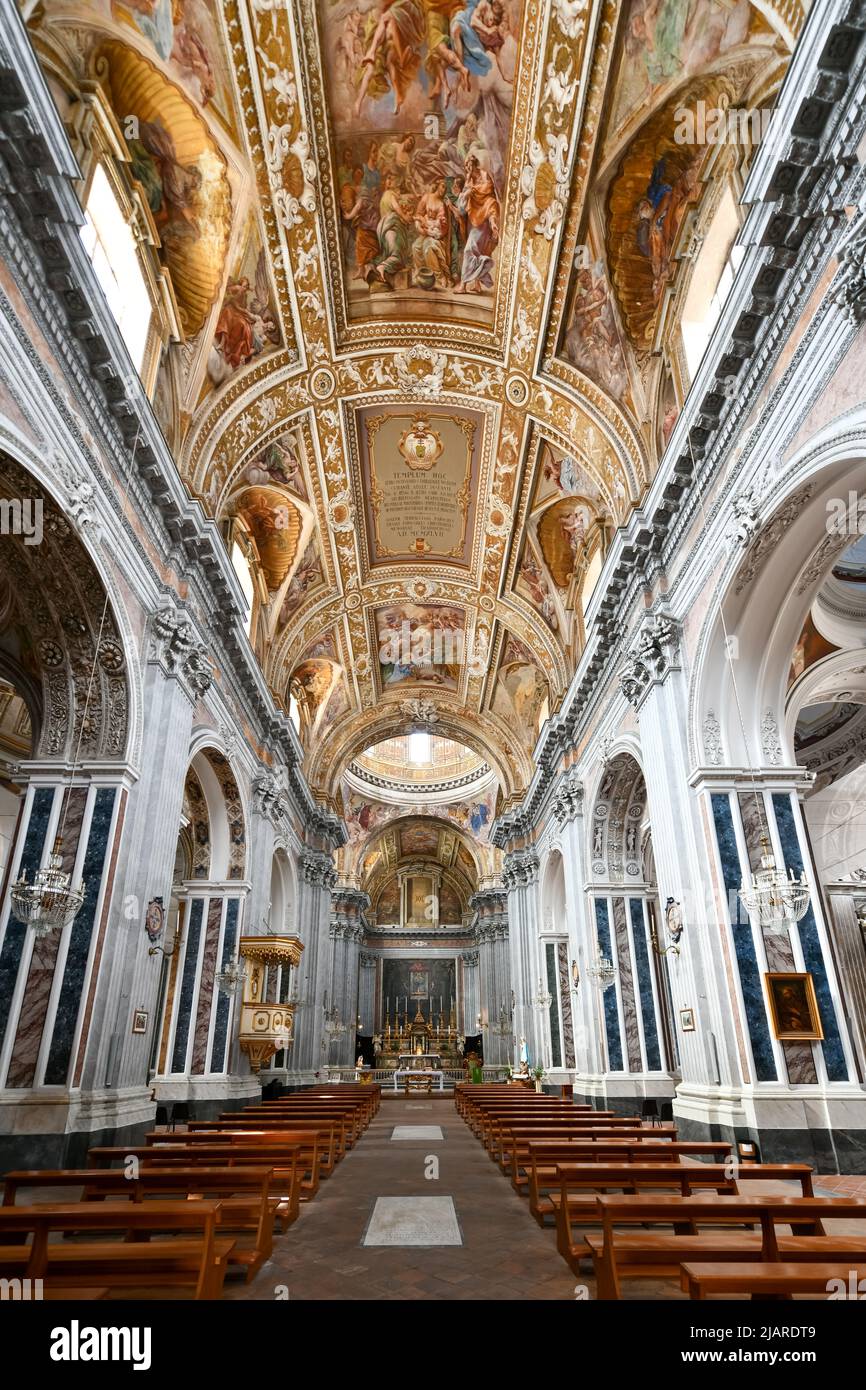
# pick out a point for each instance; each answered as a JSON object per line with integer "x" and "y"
{"x": 231, "y": 978}
{"x": 542, "y": 999}
{"x": 602, "y": 972}
{"x": 50, "y": 902}
{"x": 334, "y": 1026}
{"x": 502, "y": 1028}
{"x": 774, "y": 899}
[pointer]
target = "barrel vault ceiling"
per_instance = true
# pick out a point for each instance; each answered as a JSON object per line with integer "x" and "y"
{"x": 420, "y": 346}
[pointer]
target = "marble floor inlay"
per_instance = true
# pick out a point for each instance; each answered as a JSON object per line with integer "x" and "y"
{"x": 420, "y": 1133}
{"x": 413, "y": 1221}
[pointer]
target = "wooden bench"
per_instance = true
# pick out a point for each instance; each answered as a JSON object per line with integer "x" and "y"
{"x": 192, "y": 1256}
{"x": 337, "y": 1145}
{"x": 306, "y": 1145}
{"x": 579, "y": 1184}
{"x": 328, "y": 1136}
{"x": 511, "y": 1132}
{"x": 540, "y": 1159}
{"x": 355, "y": 1119}
{"x": 244, "y": 1193}
{"x": 499, "y": 1125}
{"x": 490, "y": 1121}
{"x": 287, "y": 1182}
{"x": 646, "y": 1254}
{"x": 767, "y": 1280}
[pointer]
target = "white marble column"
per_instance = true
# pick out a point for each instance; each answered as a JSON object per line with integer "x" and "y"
{"x": 318, "y": 875}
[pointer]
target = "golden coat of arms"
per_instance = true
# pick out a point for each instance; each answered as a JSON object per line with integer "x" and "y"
{"x": 420, "y": 446}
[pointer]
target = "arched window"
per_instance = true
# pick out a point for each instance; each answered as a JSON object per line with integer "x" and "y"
{"x": 242, "y": 570}
{"x": 295, "y": 713}
{"x": 715, "y": 266}
{"x": 110, "y": 243}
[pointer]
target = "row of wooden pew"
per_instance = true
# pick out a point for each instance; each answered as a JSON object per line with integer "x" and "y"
{"x": 184, "y": 1209}
{"x": 640, "y": 1203}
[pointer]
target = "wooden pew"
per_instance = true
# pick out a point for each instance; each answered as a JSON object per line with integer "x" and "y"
{"x": 244, "y": 1197}
{"x": 579, "y": 1184}
{"x": 505, "y": 1133}
{"x": 192, "y": 1257}
{"x": 646, "y": 1254}
{"x": 285, "y": 1161}
{"x": 341, "y": 1123}
{"x": 329, "y": 1136}
{"x": 540, "y": 1159}
{"x": 590, "y": 1134}
{"x": 495, "y": 1124}
{"x": 356, "y": 1119}
{"x": 307, "y": 1145}
{"x": 359, "y": 1101}
{"x": 767, "y": 1280}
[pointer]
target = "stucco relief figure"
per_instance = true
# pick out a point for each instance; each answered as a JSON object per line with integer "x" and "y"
{"x": 598, "y": 838}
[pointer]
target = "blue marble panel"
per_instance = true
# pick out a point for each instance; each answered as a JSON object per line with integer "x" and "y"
{"x": 611, "y": 1012}
{"x": 13, "y": 942}
{"x": 553, "y": 991}
{"x": 81, "y": 933}
{"x": 187, "y": 987}
{"x": 221, "y": 1022}
{"x": 627, "y": 997}
{"x": 744, "y": 945}
{"x": 643, "y": 970}
{"x": 813, "y": 956}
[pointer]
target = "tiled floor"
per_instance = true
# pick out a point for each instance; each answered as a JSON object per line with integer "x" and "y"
{"x": 830, "y": 1186}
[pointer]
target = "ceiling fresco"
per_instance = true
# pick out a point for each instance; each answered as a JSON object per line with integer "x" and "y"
{"x": 421, "y": 97}
{"x": 426, "y": 257}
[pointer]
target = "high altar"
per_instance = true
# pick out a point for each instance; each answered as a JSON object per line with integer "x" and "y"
{"x": 419, "y": 1044}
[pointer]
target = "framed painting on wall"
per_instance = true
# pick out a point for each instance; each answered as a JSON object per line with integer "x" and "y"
{"x": 419, "y": 983}
{"x": 793, "y": 1007}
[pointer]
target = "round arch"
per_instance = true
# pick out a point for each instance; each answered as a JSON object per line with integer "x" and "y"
{"x": 490, "y": 739}
{"x": 72, "y": 642}
{"x": 219, "y": 825}
{"x": 553, "y": 892}
{"x": 765, "y": 593}
{"x": 282, "y": 916}
{"x": 618, "y": 828}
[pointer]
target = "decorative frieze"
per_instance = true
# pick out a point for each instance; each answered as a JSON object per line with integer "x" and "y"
{"x": 174, "y": 645}
{"x": 712, "y": 731}
{"x": 318, "y": 868}
{"x": 649, "y": 661}
{"x": 568, "y": 798}
{"x": 849, "y": 287}
{"x": 520, "y": 867}
{"x": 269, "y": 798}
{"x": 771, "y": 748}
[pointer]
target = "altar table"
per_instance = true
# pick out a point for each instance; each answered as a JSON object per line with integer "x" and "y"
{"x": 413, "y": 1071}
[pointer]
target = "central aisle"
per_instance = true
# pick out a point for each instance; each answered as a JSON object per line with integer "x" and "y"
{"x": 504, "y": 1254}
